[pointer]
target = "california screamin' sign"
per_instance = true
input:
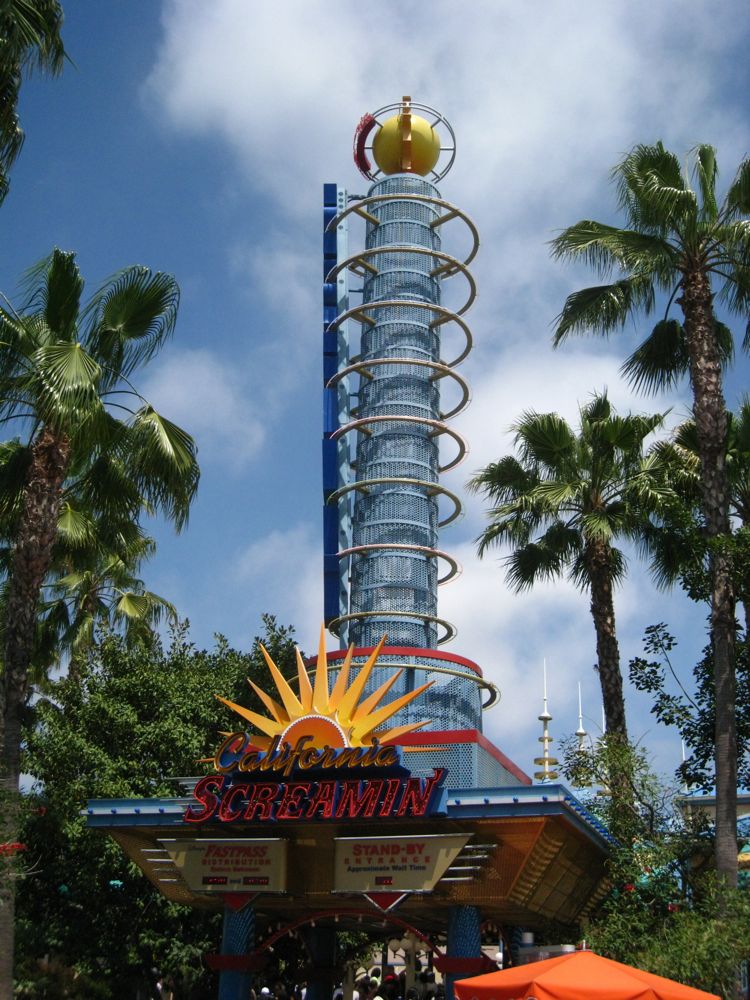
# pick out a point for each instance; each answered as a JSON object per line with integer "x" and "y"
{"x": 335, "y": 784}
{"x": 323, "y": 753}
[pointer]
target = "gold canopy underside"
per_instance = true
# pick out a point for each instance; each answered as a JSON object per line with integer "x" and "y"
{"x": 541, "y": 869}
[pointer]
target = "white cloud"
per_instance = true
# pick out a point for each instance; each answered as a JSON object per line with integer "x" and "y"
{"x": 282, "y": 575}
{"x": 543, "y": 102}
{"x": 533, "y": 98}
{"x": 210, "y": 399}
{"x": 281, "y": 281}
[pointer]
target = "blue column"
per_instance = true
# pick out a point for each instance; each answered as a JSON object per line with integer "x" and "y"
{"x": 238, "y": 938}
{"x": 321, "y": 945}
{"x": 464, "y": 939}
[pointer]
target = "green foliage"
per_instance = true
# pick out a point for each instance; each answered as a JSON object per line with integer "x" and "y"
{"x": 693, "y": 714}
{"x": 641, "y": 808}
{"x": 567, "y": 489}
{"x": 671, "y": 232}
{"x": 29, "y": 38}
{"x": 664, "y": 912}
{"x": 139, "y": 716}
{"x": 678, "y": 543}
{"x": 652, "y": 920}
{"x": 564, "y": 502}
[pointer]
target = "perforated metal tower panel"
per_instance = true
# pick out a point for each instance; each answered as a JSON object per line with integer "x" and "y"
{"x": 384, "y": 580}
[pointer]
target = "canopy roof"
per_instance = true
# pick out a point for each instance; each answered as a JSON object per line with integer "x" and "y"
{"x": 581, "y": 975}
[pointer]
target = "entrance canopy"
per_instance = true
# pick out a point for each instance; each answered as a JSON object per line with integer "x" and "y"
{"x": 581, "y": 975}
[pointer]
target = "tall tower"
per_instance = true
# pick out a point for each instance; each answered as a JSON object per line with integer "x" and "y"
{"x": 391, "y": 348}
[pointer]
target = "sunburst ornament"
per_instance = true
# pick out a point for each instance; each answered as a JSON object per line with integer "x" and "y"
{"x": 335, "y": 717}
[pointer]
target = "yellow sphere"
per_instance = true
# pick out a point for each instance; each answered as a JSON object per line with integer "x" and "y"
{"x": 390, "y": 154}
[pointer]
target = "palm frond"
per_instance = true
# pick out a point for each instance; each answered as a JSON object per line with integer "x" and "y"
{"x": 738, "y": 195}
{"x": 130, "y": 317}
{"x": 735, "y": 290}
{"x": 630, "y": 432}
{"x": 30, "y": 38}
{"x": 651, "y": 189}
{"x": 162, "y": 459}
{"x": 544, "y": 438}
{"x": 145, "y": 606}
{"x": 604, "y": 308}
{"x": 61, "y": 293}
{"x": 740, "y": 426}
{"x": 605, "y": 247}
{"x": 32, "y": 34}
{"x": 597, "y": 524}
{"x": 105, "y": 484}
{"x": 553, "y": 495}
{"x": 660, "y": 361}
{"x": 706, "y": 171}
{"x": 544, "y": 559}
{"x": 65, "y": 381}
{"x": 502, "y": 480}
{"x": 75, "y": 527}
{"x": 14, "y": 465}
{"x": 598, "y": 408}
{"x": 580, "y": 572}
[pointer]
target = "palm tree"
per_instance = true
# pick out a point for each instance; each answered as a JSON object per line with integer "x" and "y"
{"x": 563, "y": 502}
{"x": 92, "y": 583}
{"x": 65, "y": 376}
{"x": 98, "y": 585}
{"x": 679, "y": 543}
{"x": 687, "y": 246}
{"x": 29, "y": 38}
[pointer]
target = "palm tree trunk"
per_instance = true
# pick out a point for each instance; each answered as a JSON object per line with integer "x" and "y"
{"x": 31, "y": 560}
{"x": 598, "y": 564}
{"x": 709, "y": 410}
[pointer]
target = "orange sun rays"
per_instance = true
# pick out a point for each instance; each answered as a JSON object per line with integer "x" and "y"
{"x": 341, "y": 716}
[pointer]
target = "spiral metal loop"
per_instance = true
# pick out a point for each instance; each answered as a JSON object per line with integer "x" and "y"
{"x": 393, "y": 392}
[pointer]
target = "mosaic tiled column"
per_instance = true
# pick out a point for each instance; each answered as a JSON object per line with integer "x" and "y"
{"x": 464, "y": 939}
{"x": 238, "y": 938}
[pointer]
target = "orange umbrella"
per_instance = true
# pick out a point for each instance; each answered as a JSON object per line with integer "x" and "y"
{"x": 579, "y": 975}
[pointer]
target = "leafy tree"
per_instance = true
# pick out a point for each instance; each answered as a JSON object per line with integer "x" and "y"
{"x": 64, "y": 374}
{"x": 664, "y": 912}
{"x": 692, "y": 712}
{"x": 563, "y": 503}
{"x": 29, "y": 38}
{"x": 689, "y": 246}
{"x": 139, "y": 715}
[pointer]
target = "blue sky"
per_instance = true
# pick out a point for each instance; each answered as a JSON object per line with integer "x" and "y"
{"x": 195, "y": 137}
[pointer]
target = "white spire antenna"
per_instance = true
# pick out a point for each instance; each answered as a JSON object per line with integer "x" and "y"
{"x": 545, "y": 762}
{"x": 581, "y": 733}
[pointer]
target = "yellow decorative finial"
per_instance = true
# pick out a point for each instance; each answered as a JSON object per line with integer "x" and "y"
{"x": 406, "y": 143}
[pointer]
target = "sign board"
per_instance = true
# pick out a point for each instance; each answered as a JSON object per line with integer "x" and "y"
{"x": 394, "y": 864}
{"x": 239, "y": 865}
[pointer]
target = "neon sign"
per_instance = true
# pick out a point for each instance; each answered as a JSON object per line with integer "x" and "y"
{"x": 332, "y": 737}
{"x": 216, "y": 797}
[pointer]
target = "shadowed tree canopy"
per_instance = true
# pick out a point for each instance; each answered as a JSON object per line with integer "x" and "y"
{"x": 139, "y": 715}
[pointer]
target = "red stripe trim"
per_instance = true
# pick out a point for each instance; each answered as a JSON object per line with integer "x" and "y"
{"x": 432, "y": 654}
{"x": 451, "y": 737}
